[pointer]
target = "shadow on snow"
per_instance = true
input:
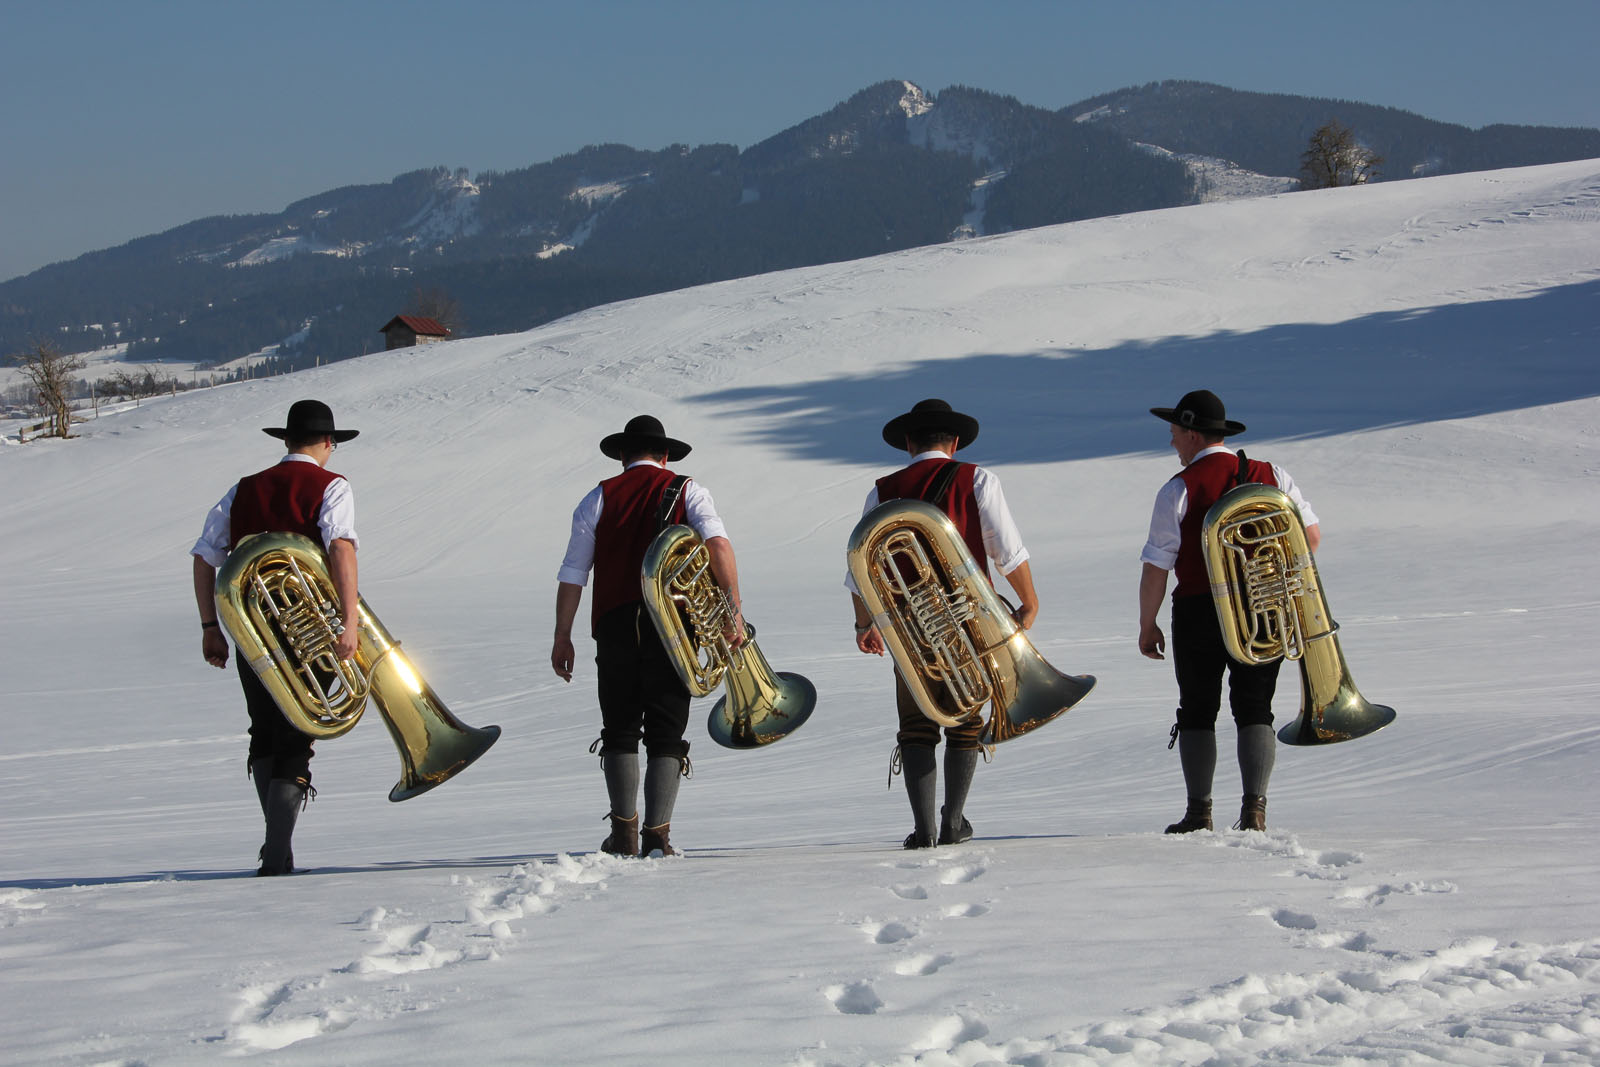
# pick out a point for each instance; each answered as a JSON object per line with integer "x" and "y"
{"x": 1288, "y": 381}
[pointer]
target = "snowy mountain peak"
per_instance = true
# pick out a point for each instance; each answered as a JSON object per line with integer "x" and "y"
{"x": 915, "y": 102}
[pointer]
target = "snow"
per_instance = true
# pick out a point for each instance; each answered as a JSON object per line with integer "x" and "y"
{"x": 450, "y": 213}
{"x": 1421, "y": 355}
{"x": 601, "y": 192}
{"x": 1222, "y": 179}
{"x": 283, "y": 247}
{"x": 914, "y": 101}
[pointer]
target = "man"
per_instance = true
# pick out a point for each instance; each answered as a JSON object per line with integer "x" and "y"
{"x": 641, "y": 694}
{"x": 1210, "y": 469}
{"x": 931, "y": 432}
{"x": 298, "y": 495}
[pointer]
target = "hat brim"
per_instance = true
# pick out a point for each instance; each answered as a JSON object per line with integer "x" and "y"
{"x": 912, "y": 423}
{"x": 618, "y": 445}
{"x": 339, "y": 436}
{"x": 1227, "y": 429}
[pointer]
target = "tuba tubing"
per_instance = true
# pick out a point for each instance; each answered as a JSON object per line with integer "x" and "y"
{"x": 1270, "y": 606}
{"x": 276, "y": 600}
{"x": 954, "y": 639}
{"x": 690, "y": 612}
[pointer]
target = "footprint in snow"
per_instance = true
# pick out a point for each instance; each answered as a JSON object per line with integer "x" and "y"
{"x": 962, "y": 874}
{"x": 854, "y": 998}
{"x": 923, "y": 964}
{"x": 889, "y": 933}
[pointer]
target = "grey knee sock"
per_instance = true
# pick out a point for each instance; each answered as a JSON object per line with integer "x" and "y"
{"x": 1258, "y": 749}
{"x": 1198, "y": 751}
{"x": 959, "y": 764}
{"x": 261, "y": 771}
{"x": 622, "y": 782}
{"x": 661, "y": 774}
{"x": 922, "y": 778}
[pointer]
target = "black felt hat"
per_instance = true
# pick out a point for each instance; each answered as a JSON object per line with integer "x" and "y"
{"x": 643, "y": 434}
{"x": 930, "y": 415}
{"x": 1201, "y": 411}
{"x": 308, "y": 418}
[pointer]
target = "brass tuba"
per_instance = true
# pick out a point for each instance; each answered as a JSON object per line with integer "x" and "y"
{"x": 1269, "y": 602}
{"x": 949, "y": 632}
{"x": 278, "y": 603}
{"x": 690, "y": 611}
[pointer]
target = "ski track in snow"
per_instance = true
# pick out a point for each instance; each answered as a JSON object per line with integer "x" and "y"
{"x": 1471, "y": 1002}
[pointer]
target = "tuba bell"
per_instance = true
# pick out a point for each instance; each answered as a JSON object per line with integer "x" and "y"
{"x": 690, "y": 611}
{"x": 954, "y": 639}
{"x": 1269, "y": 602}
{"x": 276, "y": 600}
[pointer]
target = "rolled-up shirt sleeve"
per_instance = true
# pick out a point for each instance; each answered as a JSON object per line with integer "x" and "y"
{"x": 338, "y": 518}
{"x": 1001, "y": 539}
{"x": 217, "y": 532}
{"x": 1161, "y": 546}
{"x": 701, "y": 511}
{"x": 579, "y": 560}
{"x": 1286, "y": 483}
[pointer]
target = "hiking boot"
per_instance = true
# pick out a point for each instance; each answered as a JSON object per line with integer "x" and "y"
{"x": 654, "y": 839}
{"x": 624, "y": 837}
{"x": 1253, "y": 813}
{"x": 953, "y": 835}
{"x": 1197, "y": 816}
{"x": 916, "y": 840}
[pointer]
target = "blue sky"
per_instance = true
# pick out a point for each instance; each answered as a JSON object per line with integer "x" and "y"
{"x": 121, "y": 119}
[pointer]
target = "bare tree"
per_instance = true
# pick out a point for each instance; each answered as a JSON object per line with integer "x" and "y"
{"x": 436, "y": 304}
{"x": 1334, "y": 158}
{"x": 50, "y": 372}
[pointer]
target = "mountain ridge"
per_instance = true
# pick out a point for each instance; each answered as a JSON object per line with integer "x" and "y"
{"x": 891, "y": 167}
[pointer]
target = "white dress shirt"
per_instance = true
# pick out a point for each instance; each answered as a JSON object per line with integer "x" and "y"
{"x": 698, "y": 506}
{"x": 1002, "y": 542}
{"x": 1172, "y": 504}
{"x": 337, "y": 519}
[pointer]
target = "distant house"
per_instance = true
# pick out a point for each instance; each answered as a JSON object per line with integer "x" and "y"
{"x": 403, "y": 331}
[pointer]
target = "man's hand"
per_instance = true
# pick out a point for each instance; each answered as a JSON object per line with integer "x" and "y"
{"x": 735, "y": 632}
{"x": 214, "y": 647}
{"x": 1152, "y": 642}
{"x": 870, "y": 641}
{"x": 1025, "y": 615}
{"x": 561, "y": 656}
{"x": 344, "y": 646}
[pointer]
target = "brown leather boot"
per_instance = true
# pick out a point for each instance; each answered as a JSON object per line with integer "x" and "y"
{"x": 624, "y": 837}
{"x": 654, "y": 839}
{"x": 1253, "y": 813}
{"x": 1197, "y": 816}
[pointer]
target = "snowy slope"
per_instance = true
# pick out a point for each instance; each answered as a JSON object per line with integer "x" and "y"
{"x": 1421, "y": 355}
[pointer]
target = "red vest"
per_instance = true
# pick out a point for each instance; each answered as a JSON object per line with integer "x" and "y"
{"x": 629, "y": 511}
{"x": 1207, "y": 480}
{"x": 286, "y": 498}
{"x": 960, "y": 503}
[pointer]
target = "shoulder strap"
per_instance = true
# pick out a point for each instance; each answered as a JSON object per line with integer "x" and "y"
{"x": 939, "y": 488}
{"x": 1242, "y": 476}
{"x": 669, "y": 501}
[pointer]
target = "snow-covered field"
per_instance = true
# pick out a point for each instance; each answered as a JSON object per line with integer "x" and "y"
{"x": 1421, "y": 355}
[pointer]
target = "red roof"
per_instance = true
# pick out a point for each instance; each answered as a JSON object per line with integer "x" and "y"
{"x": 417, "y": 324}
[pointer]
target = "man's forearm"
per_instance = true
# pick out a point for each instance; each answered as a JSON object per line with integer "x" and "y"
{"x": 724, "y": 567}
{"x": 1152, "y": 589}
{"x": 205, "y": 589}
{"x": 568, "y": 596}
{"x": 1021, "y": 581}
{"x": 342, "y": 569}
